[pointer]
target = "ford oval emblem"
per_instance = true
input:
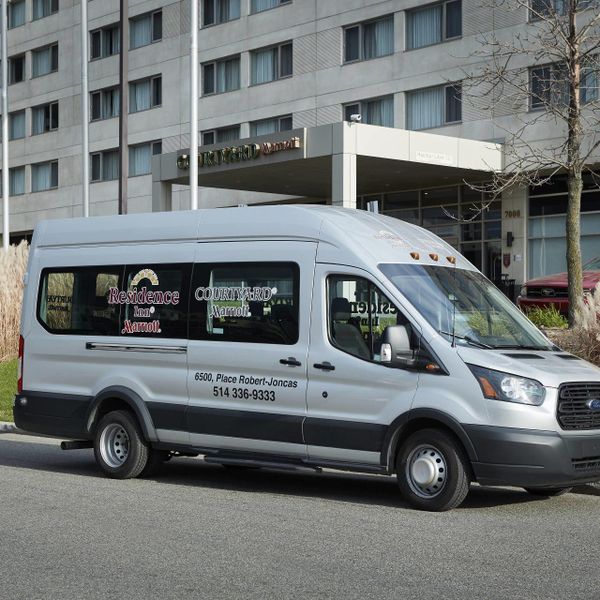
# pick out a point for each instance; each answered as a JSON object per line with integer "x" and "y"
{"x": 593, "y": 404}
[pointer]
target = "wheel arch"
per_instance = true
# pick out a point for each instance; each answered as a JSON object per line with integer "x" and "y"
{"x": 118, "y": 398}
{"x": 422, "y": 418}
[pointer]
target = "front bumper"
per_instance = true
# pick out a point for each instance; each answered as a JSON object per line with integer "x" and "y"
{"x": 530, "y": 458}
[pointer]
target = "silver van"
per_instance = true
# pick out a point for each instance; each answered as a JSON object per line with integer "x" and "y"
{"x": 296, "y": 337}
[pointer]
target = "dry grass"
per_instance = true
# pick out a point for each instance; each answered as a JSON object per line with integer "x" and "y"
{"x": 13, "y": 265}
{"x": 584, "y": 339}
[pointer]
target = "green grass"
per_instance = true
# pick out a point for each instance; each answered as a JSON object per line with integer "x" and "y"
{"x": 8, "y": 388}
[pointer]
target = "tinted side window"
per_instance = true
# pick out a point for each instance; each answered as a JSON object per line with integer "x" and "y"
{"x": 76, "y": 300}
{"x": 358, "y": 314}
{"x": 245, "y": 302}
{"x": 153, "y": 300}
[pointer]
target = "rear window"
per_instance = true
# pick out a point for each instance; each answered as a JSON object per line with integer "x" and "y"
{"x": 73, "y": 301}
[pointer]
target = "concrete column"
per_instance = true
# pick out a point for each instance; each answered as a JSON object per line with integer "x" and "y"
{"x": 162, "y": 196}
{"x": 343, "y": 180}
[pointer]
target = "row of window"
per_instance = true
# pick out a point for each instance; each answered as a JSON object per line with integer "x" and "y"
{"x": 43, "y": 61}
{"x": 44, "y": 118}
{"x": 222, "y": 11}
{"x": 144, "y": 94}
{"x": 105, "y": 164}
{"x": 143, "y": 30}
{"x": 17, "y": 11}
{"x": 44, "y": 176}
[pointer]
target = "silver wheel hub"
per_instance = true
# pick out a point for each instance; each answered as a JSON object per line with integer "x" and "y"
{"x": 426, "y": 471}
{"x": 114, "y": 445}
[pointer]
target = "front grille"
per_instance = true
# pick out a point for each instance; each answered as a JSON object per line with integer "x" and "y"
{"x": 547, "y": 292}
{"x": 572, "y": 410}
{"x": 586, "y": 464}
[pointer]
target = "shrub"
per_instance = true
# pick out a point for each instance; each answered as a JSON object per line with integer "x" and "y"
{"x": 547, "y": 316}
{"x": 13, "y": 265}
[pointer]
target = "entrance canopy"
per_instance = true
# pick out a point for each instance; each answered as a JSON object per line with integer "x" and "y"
{"x": 333, "y": 162}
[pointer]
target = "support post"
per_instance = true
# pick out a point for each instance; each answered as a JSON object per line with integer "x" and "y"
{"x": 124, "y": 105}
{"x": 5, "y": 166}
{"x": 194, "y": 106}
{"x": 85, "y": 118}
{"x": 343, "y": 180}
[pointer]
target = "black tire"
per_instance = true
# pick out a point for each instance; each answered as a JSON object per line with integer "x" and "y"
{"x": 156, "y": 462}
{"x": 433, "y": 472}
{"x": 119, "y": 446}
{"x": 548, "y": 492}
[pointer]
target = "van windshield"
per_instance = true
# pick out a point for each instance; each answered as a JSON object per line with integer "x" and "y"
{"x": 466, "y": 303}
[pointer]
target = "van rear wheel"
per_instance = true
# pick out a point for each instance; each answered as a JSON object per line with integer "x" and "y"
{"x": 119, "y": 446}
{"x": 433, "y": 473}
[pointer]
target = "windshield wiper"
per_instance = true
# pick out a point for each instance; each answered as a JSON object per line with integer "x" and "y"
{"x": 468, "y": 339}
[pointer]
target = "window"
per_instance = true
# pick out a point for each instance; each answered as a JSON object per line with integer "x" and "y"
{"x": 274, "y": 125}
{"x": 256, "y": 303}
{"x": 105, "y": 42}
{"x": 153, "y": 300}
{"x": 221, "y": 76}
{"x": 145, "y": 94}
{"x": 16, "y": 13}
{"x": 105, "y": 165}
{"x": 224, "y": 134}
{"x": 434, "y": 107}
{"x": 44, "y": 118}
{"x": 140, "y": 157}
{"x": 220, "y": 11}
{"x": 16, "y": 69}
{"x": 589, "y": 82}
{"x": 146, "y": 29}
{"x": 545, "y": 8}
{"x": 16, "y": 125}
{"x": 106, "y": 104}
{"x": 16, "y": 181}
{"x": 44, "y": 176}
{"x": 358, "y": 314}
{"x": 44, "y": 61}
{"x": 433, "y": 24}
{"x": 260, "y": 5}
{"x": 548, "y": 86}
{"x": 76, "y": 300}
{"x": 369, "y": 40}
{"x": 270, "y": 64}
{"x": 379, "y": 111}
{"x": 44, "y": 8}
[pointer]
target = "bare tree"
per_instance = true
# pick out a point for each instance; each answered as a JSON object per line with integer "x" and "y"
{"x": 547, "y": 75}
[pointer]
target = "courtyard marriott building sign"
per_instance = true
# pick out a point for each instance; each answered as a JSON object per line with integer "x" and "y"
{"x": 235, "y": 154}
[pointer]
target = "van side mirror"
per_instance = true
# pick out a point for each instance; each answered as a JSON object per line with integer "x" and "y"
{"x": 396, "y": 351}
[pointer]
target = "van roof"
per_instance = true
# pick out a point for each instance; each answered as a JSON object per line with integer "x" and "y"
{"x": 384, "y": 239}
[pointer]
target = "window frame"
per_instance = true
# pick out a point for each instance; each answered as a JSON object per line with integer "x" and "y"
{"x": 279, "y": 119}
{"x": 52, "y": 10}
{"x": 279, "y": 48}
{"x": 102, "y": 92}
{"x": 154, "y": 145}
{"x": 101, "y": 154}
{"x": 214, "y": 64}
{"x": 554, "y": 68}
{"x": 9, "y": 24}
{"x": 11, "y": 62}
{"x": 258, "y": 12}
{"x": 197, "y": 331}
{"x": 215, "y": 22}
{"x": 443, "y": 24}
{"x": 53, "y": 55}
{"x": 49, "y": 106}
{"x": 216, "y": 132}
{"x": 147, "y": 15}
{"x": 153, "y": 87}
{"x": 102, "y": 32}
{"x": 10, "y": 117}
{"x": 362, "y": 108}
{"x": 53, "y": 167}
{"x": 360, "y": 26}
{"x": 445, "y": 122}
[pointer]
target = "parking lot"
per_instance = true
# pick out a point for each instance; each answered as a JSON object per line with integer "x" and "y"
{"x": 202, "y": 531}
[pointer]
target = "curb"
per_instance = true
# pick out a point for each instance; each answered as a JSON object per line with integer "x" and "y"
{"x": 7, "y": 427}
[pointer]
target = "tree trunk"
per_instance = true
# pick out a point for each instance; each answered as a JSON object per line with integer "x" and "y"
{"x": 574, "y": 268}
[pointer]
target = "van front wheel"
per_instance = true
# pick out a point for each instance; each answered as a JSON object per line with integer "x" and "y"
{"x": 432, "y": 471}
{"x": 119, "y": 446}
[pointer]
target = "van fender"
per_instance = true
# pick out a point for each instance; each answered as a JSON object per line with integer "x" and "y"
{"x": 132, "y": 400}
{"x": 394, "y": 435}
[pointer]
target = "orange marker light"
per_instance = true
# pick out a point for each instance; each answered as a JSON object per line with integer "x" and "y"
{"x": 451, "y": 259}
{"x": 487, "y": 388}
{"x": 415, "y": 255}
{"x": 434, "y": 256}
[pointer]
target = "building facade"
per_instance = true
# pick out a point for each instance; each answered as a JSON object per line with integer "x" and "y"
{"x": 268, "y": 66}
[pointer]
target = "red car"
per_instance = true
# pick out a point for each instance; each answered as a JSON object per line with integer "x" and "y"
{"x": 552, "y": 289}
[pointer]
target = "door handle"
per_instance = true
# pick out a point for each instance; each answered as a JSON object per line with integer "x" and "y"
{"x": 325, "y": 366}
{"x": 290, "y": 362}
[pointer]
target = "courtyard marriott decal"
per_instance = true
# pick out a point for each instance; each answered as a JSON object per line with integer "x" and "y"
{"x": 235, "y": 154}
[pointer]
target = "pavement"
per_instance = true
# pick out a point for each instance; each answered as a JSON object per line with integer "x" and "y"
{"x": 205, "y": 532}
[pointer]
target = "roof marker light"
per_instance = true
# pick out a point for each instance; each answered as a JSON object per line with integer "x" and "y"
{"x": 415, "y": 255}
{"x": 451, "y": 259}
{"x": 434, "y": 256}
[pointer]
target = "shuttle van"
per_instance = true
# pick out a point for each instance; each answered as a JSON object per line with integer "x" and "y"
{"x": 296, "y": 337}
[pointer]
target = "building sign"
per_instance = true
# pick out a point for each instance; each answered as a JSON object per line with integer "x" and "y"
{"x": 235, "y": 154}
{"x": 438, "y": 158}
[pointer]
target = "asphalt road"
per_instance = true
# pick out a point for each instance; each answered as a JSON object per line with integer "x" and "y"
{"x": 204, "y": 532}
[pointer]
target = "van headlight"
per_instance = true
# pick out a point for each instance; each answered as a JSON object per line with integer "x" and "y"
{"x": 497, "y": 385}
